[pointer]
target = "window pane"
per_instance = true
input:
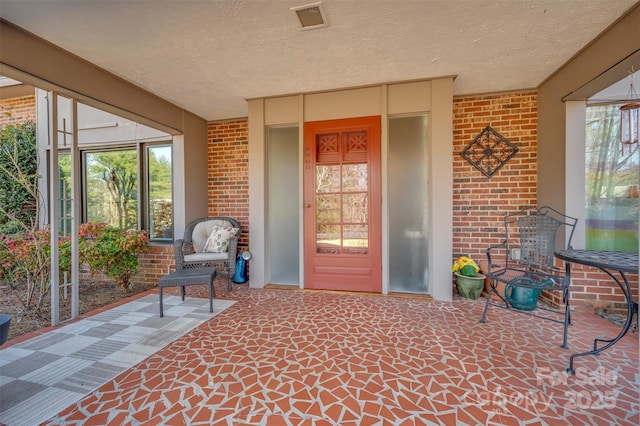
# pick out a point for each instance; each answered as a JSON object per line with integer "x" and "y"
{"x": 355, "y": 208}
{"x": 356, "y": 239}
{"x": 160, "y": 192}
{"x": 283, "y": 205}
{"x": 328, "y": 178}
{"x": 354, "y": 177}
{"x": 112, "y": 188}
{"x": 612, "y": 176}
{"x": 408, "y": 204}
{"x": 328, "y": 208}
{"x": 64, "y": 187}
{"x": 328, "y": 239}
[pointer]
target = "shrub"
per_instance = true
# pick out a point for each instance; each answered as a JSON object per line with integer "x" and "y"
{"x": 112, "y": 251}
{"x": 26, "y": 260}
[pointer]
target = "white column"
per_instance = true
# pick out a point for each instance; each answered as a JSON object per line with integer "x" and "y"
{"x": 441, "y": 174}
{"x": 575, "y": 137}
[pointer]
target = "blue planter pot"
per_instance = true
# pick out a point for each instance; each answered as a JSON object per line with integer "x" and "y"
{"x": 5, "y": 321}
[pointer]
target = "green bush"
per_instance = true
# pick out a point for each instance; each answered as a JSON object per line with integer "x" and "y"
{"x": 26, "y": 261}
{"x": 112, "y": 251}
{"x": 25, "y": 258}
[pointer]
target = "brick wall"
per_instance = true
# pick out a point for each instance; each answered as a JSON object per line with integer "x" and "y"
{"x": 592, "y": 287}
{"x": 480, "y": 202}
{"x": 17, "y": 110}
{"x": 157, "y": 262}
{"x": 228, "y": 191}
{"x": 228, "y": 172}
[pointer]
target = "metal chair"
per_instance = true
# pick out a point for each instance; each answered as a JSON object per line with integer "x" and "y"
{"x": 189, "y": 251}
{"x": 526, "y": 264}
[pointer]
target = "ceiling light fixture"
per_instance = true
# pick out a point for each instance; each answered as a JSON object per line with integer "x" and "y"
{"x": 311, "y": 16}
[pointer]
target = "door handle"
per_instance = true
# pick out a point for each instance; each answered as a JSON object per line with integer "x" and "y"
{"x": 307, "y": 205}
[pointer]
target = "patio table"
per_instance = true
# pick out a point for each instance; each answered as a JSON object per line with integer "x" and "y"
{"x": 185, "y": 277}
{"x": 610, "y": 262}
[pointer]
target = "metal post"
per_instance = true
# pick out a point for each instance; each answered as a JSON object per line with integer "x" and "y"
{"x": 53, "y": 210}
{"x": 75, "y": 208}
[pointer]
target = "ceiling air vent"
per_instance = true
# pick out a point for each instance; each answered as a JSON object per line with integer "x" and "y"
{"x": 311, "y": 16}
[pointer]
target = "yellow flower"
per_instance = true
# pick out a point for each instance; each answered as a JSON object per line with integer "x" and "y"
{"x": 464, "y": 261}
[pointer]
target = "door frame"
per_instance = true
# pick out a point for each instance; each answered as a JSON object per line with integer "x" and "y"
{"x": 433, "y": 96}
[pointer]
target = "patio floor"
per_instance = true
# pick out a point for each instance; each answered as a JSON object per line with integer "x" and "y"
{"x": 280, "y": 357}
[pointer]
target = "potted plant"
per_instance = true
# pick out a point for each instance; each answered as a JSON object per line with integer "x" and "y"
{"x": 469, "y": 280}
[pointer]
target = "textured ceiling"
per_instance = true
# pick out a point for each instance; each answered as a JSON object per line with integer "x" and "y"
{"x": 210, "y": 56}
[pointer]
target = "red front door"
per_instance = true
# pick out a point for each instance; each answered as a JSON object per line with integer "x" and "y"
{"x": 342, "y": 218}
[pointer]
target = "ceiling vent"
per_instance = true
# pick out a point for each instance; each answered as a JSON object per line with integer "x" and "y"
{"x": 311, "y": 16}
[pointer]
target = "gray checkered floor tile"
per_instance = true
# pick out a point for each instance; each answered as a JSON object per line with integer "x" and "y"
{"x": 44, "y": 375}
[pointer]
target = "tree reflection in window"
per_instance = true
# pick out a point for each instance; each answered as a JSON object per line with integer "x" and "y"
{"x": 611, "y": 178}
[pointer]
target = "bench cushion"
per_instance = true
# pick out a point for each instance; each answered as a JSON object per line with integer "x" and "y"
{"x": 203, "y": 257}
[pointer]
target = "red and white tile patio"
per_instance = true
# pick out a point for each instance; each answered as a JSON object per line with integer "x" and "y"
{"x": 279, "y": 357}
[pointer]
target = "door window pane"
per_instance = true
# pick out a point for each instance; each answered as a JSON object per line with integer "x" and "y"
{"x": 354, "y": 178}
{"x": 354, "y": 208}
{"x": 356, "y": 239}
{"x": 328, "y": 238}
{"x": 342, "y": 187}
{"x": 328, "y": 178}
{"x": 328, "y": 208}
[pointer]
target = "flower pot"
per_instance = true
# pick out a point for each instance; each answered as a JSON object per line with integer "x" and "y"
{"x": 484, "y": 266}
{"x": 469, "y": 287}
{"x": 5, "y": 321}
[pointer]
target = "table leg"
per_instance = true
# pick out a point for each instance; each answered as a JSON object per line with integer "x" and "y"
{"x": 211, "y": 292}
{"x": 183, "y": 293}
{"x": 160, "y": 293}
{"x": 631, "y": 309}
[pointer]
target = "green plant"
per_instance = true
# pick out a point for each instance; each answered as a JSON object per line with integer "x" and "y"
{"x": 24, "y": 248}
{"x": 112, "y": 251}
{"x": 18, "y": 175}
{"x": 26, "y": 261}
{"x": 25, "y": 258}
{"x": 465, "y": 266}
